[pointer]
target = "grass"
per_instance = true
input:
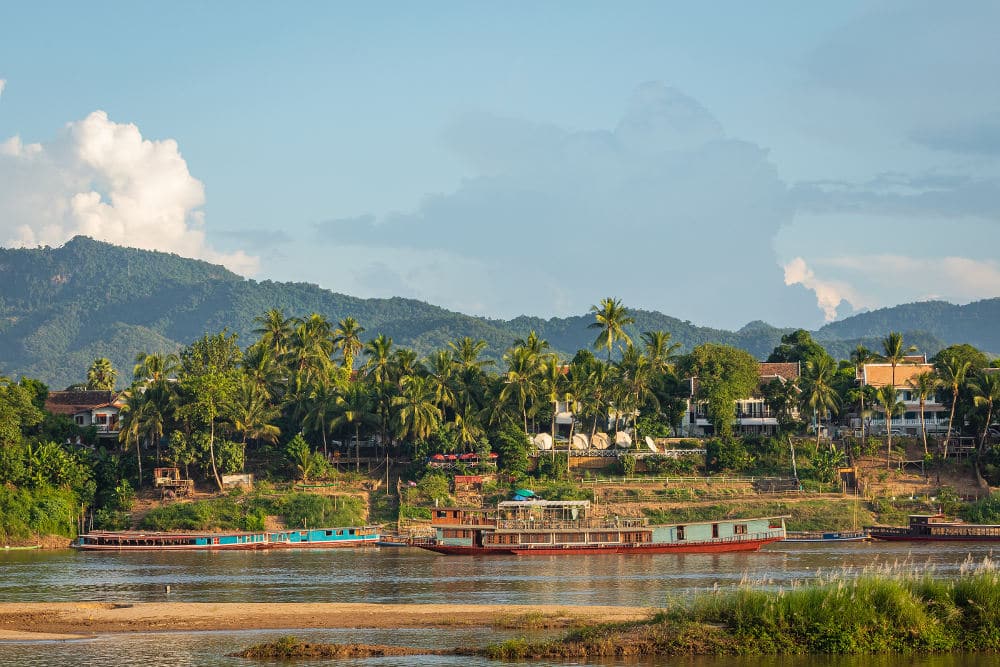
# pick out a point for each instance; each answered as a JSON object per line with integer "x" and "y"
{"x": 876, "y": 612}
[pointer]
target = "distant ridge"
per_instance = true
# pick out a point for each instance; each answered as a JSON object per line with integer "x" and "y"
{"x": 60, "y": 308}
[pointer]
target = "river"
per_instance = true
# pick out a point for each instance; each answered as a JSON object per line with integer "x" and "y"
{"x": 416, "y": 576}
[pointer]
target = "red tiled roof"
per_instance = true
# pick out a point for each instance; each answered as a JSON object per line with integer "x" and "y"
{"x": 71, "y": 402}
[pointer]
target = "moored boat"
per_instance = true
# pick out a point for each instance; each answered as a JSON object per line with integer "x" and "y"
{"x": 936, "y": 527}
{"x": 541, "y": 527}
{"x": 315, "y": 538}
{"x": 831, "y": 536}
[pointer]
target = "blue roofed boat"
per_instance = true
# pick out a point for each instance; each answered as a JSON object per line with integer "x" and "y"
{"x": 313, "y": 538}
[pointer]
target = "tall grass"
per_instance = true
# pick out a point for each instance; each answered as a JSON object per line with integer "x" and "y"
{"x": 876, "y": 611}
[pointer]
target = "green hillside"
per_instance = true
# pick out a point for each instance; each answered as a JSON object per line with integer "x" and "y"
{"x": 62, "y": 307}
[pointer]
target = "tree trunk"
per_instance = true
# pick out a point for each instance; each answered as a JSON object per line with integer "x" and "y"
{"x": 923, "y": 424}
{"x": 888, "y": 438}
{"x": 986, "y": 430}
{"x": 211, "y": 453}
{"x": 951, "y": 418}
{"x": 138, "y": 458}
{"x": 357, "y": 447}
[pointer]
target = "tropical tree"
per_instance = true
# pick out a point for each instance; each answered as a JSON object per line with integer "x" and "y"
{"x": 894, "y": 351}
{"x": 275, "y": 331}
{"x": 378, "y": 371}
{"x": 356, "y": 407}
{"x": 519, "y": 380}
{"x": 416, "y": 413}
{"x": 888, "y": 397}
{"x": 131, "y": 431}
{"x": 660, "y": 351}
{"x": 952, "y": 372}
{"x": 552, "y": 383}
{"x": 441, "y": 369}
{"x": 347, "y": 338}
{"x": 923, "y": 385}
{"x": 985, "y": 394}
{"x": 251, "y": 413}
{"x": 101, "y": 375}
{"x": 860, "y": 356}
{"x": 611, "y": 318}
{"x": 818, "y": 395}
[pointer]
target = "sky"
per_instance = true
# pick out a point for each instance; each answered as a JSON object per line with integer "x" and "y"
{"x": 719, "y": 162}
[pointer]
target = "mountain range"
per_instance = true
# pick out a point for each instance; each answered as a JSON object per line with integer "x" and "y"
{"x": 60, "y": 308}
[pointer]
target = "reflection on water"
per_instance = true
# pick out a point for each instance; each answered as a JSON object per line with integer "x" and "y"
{"x": 414, "y": 575}
{"x": 208, "y": 649}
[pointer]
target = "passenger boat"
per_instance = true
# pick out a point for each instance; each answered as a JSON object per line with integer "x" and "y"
{"x": 541, "y": 527}
{"x": 936, "y": 527}
{"x": 316, "y": 538}
{"x": 820, "y": 536}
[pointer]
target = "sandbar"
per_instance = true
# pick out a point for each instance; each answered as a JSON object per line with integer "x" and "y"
{"x": 64, "y": 620}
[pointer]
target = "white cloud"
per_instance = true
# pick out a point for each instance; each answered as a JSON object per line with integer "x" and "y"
{"x": 3, "y": 84}
{"x": 104, "y": 180}
{"x": 830, "y": 294}
{"x": 869, "y": 281}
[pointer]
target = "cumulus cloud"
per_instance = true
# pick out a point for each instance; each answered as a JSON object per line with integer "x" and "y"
{"x": 104, "y": 180}
{"x": 830, "y": 294}
{"x": 664, "y": 210}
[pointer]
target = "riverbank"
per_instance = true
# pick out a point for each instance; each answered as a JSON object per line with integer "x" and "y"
{"x": 74, "y": 619}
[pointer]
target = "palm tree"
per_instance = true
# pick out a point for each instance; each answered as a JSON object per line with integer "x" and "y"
{"x": 611, "y": 318}
{"x": 924, "y": 384}
{"x": 347, "y": 337}
{"x": 440, "y": 373}
{"x": 861, "y": 356}
{"x": 894, "y": 351}
{"x": 985, "y": 394}
{"x": 275, "y": 331}
{"x": 310, "y": 347}
{"x": 518, "y": 380}
{"x": 378, "y": 369}
{"x": 262, "y": 368}
{"x": 818, "y": 395}
{"x": 888, "y": 397}
{"x": 659, "y": 350}
{"x": 636, "y": 371}
{"x": 251, "y": 412}
{"x": 132, "y": 427}
{"x": 321, "y": 403}
{"x": 155, "y": 368}
{"x": 416, "y": 413}
{"x": 356, "y": 408}
{"x": 552, "y": 383}
{"x": 952, "y": 372}
{"x": 101, "y": 375}
{"x": 470, "y": 378}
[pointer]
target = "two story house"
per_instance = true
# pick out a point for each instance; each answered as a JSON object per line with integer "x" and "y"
{"x": 88, "y": 408}
{"x": 753, "y": 415}
{"x": 880, "y": 375}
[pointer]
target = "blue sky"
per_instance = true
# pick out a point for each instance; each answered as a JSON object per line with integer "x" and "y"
{"x": 792, "y": 162}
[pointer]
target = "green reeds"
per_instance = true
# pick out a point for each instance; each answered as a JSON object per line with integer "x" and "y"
{"x": 880, "y": 610}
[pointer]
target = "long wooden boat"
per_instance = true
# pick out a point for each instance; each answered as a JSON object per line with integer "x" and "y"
{"x": 937, "y": 528}
{"x": 315, "y": 538}
{"x": 820, "y": 536}
{"x": 545, "y": 528}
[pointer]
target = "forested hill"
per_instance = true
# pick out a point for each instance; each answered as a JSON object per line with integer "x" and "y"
{"x": 60, "y": 308}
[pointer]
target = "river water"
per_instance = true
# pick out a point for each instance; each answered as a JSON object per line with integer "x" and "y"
{"x": 413, "y": 575}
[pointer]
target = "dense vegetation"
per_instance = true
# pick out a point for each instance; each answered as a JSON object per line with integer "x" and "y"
{"x": 874, "y": 613}
{"x": 60, "y": 308}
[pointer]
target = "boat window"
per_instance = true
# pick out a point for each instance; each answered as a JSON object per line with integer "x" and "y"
{"x": 715, "y": 530}
{"x": 740, "y": 529}
{"x": 680, "y": 532}
{"x": 350, "y": 532}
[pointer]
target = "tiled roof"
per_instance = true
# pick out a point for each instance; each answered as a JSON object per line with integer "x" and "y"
{"x": 71, "y": 402}
{"x": 880, "y": 375}
{"x": 785, "y": 370}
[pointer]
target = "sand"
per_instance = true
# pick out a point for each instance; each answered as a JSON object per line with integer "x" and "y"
{"x": 66, "y": 620}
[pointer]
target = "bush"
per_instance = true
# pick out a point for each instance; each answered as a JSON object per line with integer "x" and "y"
{"x": 40, "y": 511}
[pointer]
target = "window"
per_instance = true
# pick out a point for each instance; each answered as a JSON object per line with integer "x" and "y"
{"x": 680, "y": 532}
{"x": 740, "y": 529}
{"x": 715, "y": 530}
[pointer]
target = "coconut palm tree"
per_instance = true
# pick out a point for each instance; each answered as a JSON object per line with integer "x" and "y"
{"x": 355, "y": 407}
{"x": 250, "y": 412}
{"x": 860, "y": 356}
{"x": 378, "y": 371}
{"x": 888, "y": 397}
{"x": 985, "y": 394}
{"x": 953, "y": 372}
{"x": 347, "y": 338}
{"x": 155, "y": 368}
{"x": 275, "y": 331}
{"x": 310, "y": 347}
{"x": 551, "y": 384}
{"x": 416, "y": 413}
{"x": 894, "y": 352}
{"x": 519, "y": 380}
{"x": 636, "y": 373}
{"x": 322, "y": 403}
{"x": 660, "y": 351}
{"x": 441, "y": 369}
{"x": 611, "y": 318}
{"x": 818, "y": 394}
{"x": 923, "y": 385}
{"x": 101, "y": 375}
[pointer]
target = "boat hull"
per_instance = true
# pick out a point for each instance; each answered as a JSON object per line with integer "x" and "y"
{"x": 569, "y": 550}
{"x": 934, "y": 538}
{"x": 227, "y": 547}
{"x": 336, "y": 538}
